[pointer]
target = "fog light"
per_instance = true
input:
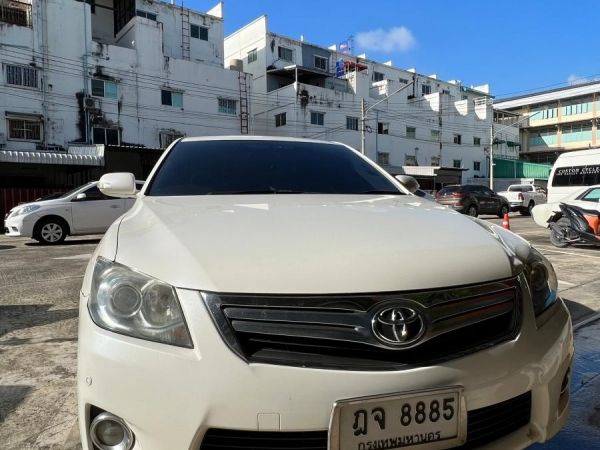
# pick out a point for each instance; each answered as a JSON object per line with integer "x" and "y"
{"x": 109, "y": 432}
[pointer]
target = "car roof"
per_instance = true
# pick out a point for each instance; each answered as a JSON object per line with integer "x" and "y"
{"x": 256, "y": 138}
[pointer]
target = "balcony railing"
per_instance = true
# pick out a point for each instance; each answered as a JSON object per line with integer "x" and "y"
{"x": 16, "y": 13}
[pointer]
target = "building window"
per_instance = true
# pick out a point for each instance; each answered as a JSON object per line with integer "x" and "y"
{"x": 403, "y": 80}
{"x": 199, "y": 32}
{"x": 411, "y": 132}
{"x": 320, "y": 62}
{"x": 16, "y": 13}
{"x": 104, "y": 88}
{"x": 25, "y": 129}
{"x": 544, "y": 112}
{"x": 476, "y": 166}
{"x": 457, "y": 139}
{"x": 280, "y": 119}
{"x": 383, "y": 158}
{"x": 171, "y": 98}
{"x": 106, "y": 136}
{"x": 383, "y": 128}
{"x": 425, "y": 89}
{"x": 378, "y": 76}
{"x": 317, "y": 118}
{"x": 435, "y": 135}
{"x": 21, "y": 76}
{"x": 457, "y": 163}
{"x": 285, "y": 53}
{"x": 351, "y": 123}
{"x": 576, "y": 133}
{"x": 410, "y": 160}
{"x": 252, "y": 55}
{"x": 146, "y": 14}
{"x": 476, "y": 141}
{"x": 435, "y": 161}
{"x": 544, "y": 137}
{"x": 228, "y": 106}
{"x": 165, "y": 137}
{"x": 577, "y": 108}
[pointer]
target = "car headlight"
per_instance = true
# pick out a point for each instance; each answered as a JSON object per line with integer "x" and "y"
{"x": 128, "y": 302}
{"x": 538, "y": 271}
{"x": 24, "y": 210}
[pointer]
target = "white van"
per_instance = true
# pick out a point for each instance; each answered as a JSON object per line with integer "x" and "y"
{"x": 572, "y": 171}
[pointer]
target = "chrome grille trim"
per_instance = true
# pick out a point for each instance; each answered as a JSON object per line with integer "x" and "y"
{"x": 304, "y": 325}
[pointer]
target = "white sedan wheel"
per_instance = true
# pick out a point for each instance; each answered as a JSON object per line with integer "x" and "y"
{"x": 52, "y": 232}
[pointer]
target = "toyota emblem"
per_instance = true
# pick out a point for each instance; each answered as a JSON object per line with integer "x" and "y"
{"x": 398, "y": 326}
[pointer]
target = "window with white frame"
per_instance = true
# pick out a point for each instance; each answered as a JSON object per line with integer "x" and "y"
{"x": 411, "y": 132}
{"x": 252, "y": 55}
{"x": 317, "y": 118}
{"x": 425, "y": 89}
{"x": 457, "y": 139}
{"x": 280, "y": 119}
{"x": 171, "y": 98}
{"x": 227, "y": 106}
{"x": 383, "y": 158}
{"x": 435, "y": 135}
{"x": 378, "y": 76}
{"x": 104, "y": 88}
{"x": 106, "y": 136}
{"x": 198, "y": 32}
{"x": 383, "y": 128}
{"x": 476, "y": 166}
{"x": 285, "y": 53}
{"x": 24, "y": 128}
{"x": 21, "y": 76}
{"x": 320, "y": 62}
{"x": 166, "y": 137}
{"x": 351, "y": 123}
{"x": 457, "y": 163}
{"x": 476, "y": 141}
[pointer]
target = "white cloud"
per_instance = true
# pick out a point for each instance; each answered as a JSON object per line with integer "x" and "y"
{"x": 574, "y": 79}
{"x": 396, "y": 39}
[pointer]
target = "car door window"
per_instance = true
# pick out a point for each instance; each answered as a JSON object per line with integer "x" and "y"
{"x": 593, "y": 195}
{"x": 94, "y": 193}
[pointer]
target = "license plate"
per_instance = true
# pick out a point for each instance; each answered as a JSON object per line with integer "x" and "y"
{"x": 435, "y": 419}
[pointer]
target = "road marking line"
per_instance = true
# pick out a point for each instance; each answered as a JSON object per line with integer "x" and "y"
{"x": 566, "y": 282}
{"x": 82, "y": 256}
{"x": 550, "y": 249}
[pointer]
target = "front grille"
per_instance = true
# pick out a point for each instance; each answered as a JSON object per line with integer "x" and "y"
{"x": 336, "y": 331}
{"x": 484, "y": 426}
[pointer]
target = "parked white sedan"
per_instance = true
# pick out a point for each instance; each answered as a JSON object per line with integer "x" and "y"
{"x": 84, "y": 210}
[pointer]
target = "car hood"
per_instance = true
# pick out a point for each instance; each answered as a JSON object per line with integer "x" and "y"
{"x": 307, "y": 244}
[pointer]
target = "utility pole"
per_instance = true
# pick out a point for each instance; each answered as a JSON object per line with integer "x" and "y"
{"x": 492, "y": 156}
{"x": 364, "y": 111}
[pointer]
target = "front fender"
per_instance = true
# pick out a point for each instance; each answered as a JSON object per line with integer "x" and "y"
{"x": 543, "y": 213}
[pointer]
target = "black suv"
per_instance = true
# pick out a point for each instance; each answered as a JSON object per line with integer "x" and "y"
{"x": 473, "y": 200}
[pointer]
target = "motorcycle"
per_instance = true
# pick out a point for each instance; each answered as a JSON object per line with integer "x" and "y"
{"x": 574, "y": 225}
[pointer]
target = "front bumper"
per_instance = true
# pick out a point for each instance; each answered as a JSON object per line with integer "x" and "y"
{"x": 170, "y": 396}
{"x": 19, "y": 226}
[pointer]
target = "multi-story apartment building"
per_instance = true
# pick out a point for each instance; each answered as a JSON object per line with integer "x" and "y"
{"x": 311, "y": 91}
{"x": 139, "y": 72}
{"x": 556, "y": 120}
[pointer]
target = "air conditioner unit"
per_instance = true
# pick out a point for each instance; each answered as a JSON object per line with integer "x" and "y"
{"x": 90, "y": 103}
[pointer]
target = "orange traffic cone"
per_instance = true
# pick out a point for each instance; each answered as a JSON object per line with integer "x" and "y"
{"x": 506, "y": 222}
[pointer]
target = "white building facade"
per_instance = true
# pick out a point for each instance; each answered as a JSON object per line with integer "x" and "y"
{"x": 124, "y": 72}
{"x": 305, "y": 90}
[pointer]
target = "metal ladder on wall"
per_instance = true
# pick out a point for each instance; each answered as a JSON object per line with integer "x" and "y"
{"x": 243, "y": 103}
{"x": 185, "y": 32}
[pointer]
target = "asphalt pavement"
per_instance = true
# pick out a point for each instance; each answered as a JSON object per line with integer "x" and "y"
{"x": 39, "y": 288}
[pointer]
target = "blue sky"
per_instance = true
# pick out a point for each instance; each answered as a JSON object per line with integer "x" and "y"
{"x": 515, "y": 46}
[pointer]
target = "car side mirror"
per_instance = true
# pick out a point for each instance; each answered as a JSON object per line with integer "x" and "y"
{"x": 408, "y": 182}
{"x": 118, "y": 184}
{"x": 81, "y": 196}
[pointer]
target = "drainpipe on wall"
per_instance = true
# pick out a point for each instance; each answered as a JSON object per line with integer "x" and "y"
{"x": 85, "y": 75}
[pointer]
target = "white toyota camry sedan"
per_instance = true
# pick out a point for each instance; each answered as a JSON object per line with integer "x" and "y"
{"x": 271, "y": 293}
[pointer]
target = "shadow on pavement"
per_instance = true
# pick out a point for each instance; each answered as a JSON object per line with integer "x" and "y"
{"x": 17, "y": 317}
{"x": 65, "y": 243}
{"x": 577, "y": 310}
{"x": 7, "y": 247}
{"x": 10, "y": 398}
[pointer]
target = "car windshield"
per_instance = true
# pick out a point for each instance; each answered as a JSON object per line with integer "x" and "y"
{"x": 232, "y": 167}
